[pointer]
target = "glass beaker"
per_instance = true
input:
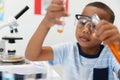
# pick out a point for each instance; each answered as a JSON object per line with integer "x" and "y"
{"x": 29, "y": 77}
{"x": 6, "y": 75}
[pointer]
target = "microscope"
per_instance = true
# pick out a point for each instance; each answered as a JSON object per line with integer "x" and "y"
{"x": 10, "y": 54}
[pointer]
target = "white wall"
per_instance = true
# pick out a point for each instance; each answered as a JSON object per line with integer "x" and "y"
{"x": 29, "y": 22}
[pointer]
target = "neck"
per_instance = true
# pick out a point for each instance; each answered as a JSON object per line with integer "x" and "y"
{"x": 91, "y": 51}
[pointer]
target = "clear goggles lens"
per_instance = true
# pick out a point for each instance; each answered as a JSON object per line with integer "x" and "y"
{"x": 85, "y": 22}
{"x": 90, "y": 21}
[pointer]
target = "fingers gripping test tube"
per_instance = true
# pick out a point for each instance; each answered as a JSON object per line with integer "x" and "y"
{"x": 112, "y": 46}
{"x": 60, "y": 28}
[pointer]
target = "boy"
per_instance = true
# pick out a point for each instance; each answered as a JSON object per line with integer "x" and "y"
{"x": 86, "y": 59}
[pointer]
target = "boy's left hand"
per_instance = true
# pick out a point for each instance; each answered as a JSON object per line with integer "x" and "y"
{"x": 107, "y": 32}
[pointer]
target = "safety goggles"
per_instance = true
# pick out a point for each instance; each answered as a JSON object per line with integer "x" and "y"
{"x": 90, "y": 21}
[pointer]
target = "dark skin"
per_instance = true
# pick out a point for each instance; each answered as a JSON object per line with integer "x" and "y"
{"x": 89, "y": 41}
{"x": 95, "y": 38}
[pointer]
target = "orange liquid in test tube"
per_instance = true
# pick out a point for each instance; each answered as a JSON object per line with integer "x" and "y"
{"x": 59, "y": 30}
{"x": 115, "y": 51}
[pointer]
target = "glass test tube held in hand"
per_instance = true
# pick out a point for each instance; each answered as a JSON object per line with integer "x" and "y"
{"x": 60, "y": 28}
{"x": 113, "y": 47}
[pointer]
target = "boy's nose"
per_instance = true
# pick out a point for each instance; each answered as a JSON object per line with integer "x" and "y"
{"x": 87, "y": 28}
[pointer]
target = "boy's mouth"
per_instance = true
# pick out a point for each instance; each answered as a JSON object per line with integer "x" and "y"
{"x": 84, "y": 38}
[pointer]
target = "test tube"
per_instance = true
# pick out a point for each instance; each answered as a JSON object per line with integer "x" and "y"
{"x": 112, "y": 46}
{"x": 115, "y": 51}
{"x": 60, "y": 28}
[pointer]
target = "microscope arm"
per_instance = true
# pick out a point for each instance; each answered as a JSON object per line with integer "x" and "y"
{"x": 10, "y": 22}
{"x": 13, "y": 20}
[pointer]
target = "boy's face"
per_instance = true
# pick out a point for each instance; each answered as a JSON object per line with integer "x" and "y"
{"x": 84, "y": 34}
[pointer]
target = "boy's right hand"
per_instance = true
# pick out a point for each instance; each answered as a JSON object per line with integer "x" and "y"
{"x": 55, "y": 11}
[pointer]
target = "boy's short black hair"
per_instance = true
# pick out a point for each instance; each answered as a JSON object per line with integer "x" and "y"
{"x": 104, "y": 7}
